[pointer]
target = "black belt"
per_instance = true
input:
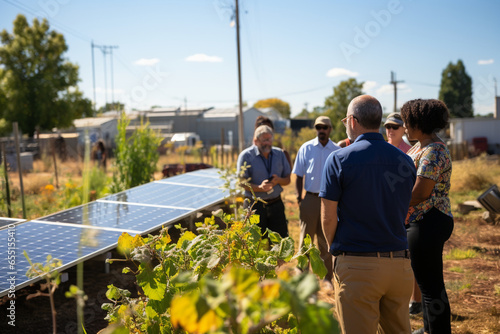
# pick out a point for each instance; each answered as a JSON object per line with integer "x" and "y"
{"x": 402, "y": 253}
{"x": 272, "y": 200}
{"x": 314, "y": 194}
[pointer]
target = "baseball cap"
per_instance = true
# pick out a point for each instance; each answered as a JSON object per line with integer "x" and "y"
{"x": 394, "y": 118}
{"x": 323, "y": 120}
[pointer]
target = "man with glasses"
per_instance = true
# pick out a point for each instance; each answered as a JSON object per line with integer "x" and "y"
{"x": 268, "y": 171}
{"x": 308, "y": 168}
{"x": 394, "y": 129}
{"x": 365, "y": 194}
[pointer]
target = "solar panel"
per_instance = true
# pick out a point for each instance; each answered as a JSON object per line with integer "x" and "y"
{"x": 160, "y": 193}
{"x": 5, "y": 222}
{"x": 119, "y": 216}
{"x": 41, "y": 239}
{"x": 195, "y": 180}
{"x": 96, "y": 226}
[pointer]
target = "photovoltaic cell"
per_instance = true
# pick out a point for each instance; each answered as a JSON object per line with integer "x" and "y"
{"x": 171, "y": 195}
{"x": 120, "y": 216}
{"x": 5, "y": 222}
{"x": 70, "y": 243}
{"x": 195, "y": 180}
{"x": 95, "y": 227}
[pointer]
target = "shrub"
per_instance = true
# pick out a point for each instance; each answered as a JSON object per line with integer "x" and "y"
{"x": 136, "y": 156}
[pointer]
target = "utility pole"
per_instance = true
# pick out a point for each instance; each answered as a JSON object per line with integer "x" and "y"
{"x": 93, "y": 77}
{"x": 395, "y": 83}
{"x": 105, "y": 49}
{"x": 240, "y": 123}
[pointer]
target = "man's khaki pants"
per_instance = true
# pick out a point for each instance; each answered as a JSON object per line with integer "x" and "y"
{"x": 370, "y": 291}
{"x": 310, "y": 223}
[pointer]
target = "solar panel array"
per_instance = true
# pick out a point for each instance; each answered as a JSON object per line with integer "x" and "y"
{"x": 85, "y": 231}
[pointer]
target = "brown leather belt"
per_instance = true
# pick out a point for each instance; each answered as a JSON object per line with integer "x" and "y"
{"x": 314, "y": 194}
{"x": 402, "y": 253}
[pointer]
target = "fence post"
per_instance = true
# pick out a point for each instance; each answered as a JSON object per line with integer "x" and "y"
{"x": 7, "y": 187}
{"x": 19, "y": 167}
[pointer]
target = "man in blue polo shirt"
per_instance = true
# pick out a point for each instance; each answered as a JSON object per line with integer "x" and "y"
{"x": 269, "y": 170}
{"x": 366, "y": 190}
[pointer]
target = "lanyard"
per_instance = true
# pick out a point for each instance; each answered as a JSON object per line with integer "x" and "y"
{"x": 268, "y": 163}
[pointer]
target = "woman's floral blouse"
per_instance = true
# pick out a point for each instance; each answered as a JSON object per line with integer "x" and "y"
{"x": 433, "y": 162}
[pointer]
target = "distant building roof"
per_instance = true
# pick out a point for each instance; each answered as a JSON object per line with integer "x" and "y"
{"x": 225, "y": 112}
{"x": 90, "y": 122}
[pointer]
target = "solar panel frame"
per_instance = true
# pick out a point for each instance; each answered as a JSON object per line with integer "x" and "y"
{"x": 51, "y": 222}
{"x": 41, "y": 249}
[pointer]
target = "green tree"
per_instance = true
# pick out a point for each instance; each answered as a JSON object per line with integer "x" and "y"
{"x": 37, "y": 83}
{"x": 281, "y": 106}
{"x": 456, "y": 90}
{"x": 116, "y": 106}
{"x": 136, "y": 156}
{"x": 336, "y": 105}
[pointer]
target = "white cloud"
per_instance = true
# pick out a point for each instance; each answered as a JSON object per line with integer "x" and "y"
{"x": 389, "y": 89}
{"x": 201, "y": 57}
{"x": 338, "y": 72}
{"x": 486, "y": 62}
{"x": 369, "y": 85}
{"x": 385, "y": 89}
{"x": 147, "y": 62}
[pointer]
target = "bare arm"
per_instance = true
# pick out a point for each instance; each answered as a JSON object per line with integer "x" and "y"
{"x": 329, "y": 220}
{"x": 421, "y": 190}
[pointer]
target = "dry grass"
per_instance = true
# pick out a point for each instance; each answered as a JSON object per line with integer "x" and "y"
{"x": 473, "y": 283}
{"x": 475, "y": 174}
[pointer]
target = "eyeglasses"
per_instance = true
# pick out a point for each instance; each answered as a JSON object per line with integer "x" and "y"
{"x": 344, "y": 120}
{"x": 321, "y": 127}
{"x": 393, "y": 127}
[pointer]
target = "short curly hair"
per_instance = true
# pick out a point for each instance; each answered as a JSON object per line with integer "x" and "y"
{"x": 428, "y": 116}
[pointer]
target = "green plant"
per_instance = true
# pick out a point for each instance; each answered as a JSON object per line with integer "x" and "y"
{"x": 457, "y": 270}
{"x": 225, "y": 279}
{"x": 460, "y": 254}
{"x": 136, "y": 156}
{"x": 52, "y": 279}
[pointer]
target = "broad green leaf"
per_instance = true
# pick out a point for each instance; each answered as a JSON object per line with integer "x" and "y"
{"x": 318, "y": 320}
{"x": 153, "y": 282}
{"x": 302, "y": 262}
{"x": 273, "y": 236}
{"x": 317, "y": 264}
{"x": 306, "y": 286}
{"x": 287, "y": 248}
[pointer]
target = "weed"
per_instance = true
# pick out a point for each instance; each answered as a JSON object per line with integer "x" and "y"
{"x": 457, "y": 270}
{"x": 460, "y": 254}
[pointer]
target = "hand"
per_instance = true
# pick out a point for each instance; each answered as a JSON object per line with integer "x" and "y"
{"x": 266, "y": 185}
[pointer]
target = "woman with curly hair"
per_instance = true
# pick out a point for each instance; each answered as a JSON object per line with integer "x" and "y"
{"x": 429, "y": 221}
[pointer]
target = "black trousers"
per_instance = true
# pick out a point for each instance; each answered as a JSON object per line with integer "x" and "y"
{"x": 272, "y": 216}
{"x": 426, "y": 239}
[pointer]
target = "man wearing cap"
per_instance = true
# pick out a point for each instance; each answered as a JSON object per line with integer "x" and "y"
{"x": 365, "y": 195}
{"x": 308, "y": 168}
{"x": 394, "y": 129}
{"x": 268, "y": 171}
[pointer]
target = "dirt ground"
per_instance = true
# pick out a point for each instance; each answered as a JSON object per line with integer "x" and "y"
{"x": 473, "y": 286}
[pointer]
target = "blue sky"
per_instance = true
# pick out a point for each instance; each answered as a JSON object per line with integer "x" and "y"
{"x": 183, "y": 52}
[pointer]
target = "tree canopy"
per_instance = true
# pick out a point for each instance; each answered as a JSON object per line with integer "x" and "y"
{"x": 456, "y": 90}
{"x": 336, "y": 105}
{"x": 281, "y": 106}
{"x": 37, "y": 84}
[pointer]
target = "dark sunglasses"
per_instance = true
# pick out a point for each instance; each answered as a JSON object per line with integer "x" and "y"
{"x": 321, "y": 127}
{"x": 394, "y": 127}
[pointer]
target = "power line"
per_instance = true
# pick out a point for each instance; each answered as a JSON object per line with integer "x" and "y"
{"x": 53, "y": 22}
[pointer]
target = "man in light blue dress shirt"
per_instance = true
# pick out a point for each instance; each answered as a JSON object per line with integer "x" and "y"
{"x": 269, "y": 172}
{"x": 308, "y": 168}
